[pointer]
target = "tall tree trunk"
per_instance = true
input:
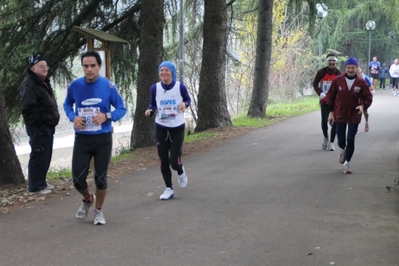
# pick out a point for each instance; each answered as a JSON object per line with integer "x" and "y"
{"x": 212, "y": 103}
{"x": 260, "y": 91}
{"x": 151, "y": 48}
{"x": 10, "y": 168}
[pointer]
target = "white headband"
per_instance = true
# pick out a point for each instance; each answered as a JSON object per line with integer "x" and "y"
{"x": 333, "y": 58}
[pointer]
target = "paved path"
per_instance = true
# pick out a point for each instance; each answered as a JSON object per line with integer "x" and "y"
{"x": 270, "y": 197}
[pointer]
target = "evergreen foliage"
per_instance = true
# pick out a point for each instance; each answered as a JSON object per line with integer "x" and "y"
{"x": 46, "y": 27}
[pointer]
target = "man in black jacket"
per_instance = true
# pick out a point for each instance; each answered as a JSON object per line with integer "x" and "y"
{"x": 41, "y": 116}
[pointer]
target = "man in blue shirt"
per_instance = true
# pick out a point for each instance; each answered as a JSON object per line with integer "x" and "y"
{"x": 92, "y": 96}
{"x": 365, "y": 112}
{"x": 374, "y": 67}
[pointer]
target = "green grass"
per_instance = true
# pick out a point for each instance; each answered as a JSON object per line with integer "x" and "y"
{"x": 274, "y": 112}
{"x": 301, "y": 106}
{"x": 199, "y": 136}
{"x": 55, "y": 174}
{"x": 277, "y": 111}
{"x": 121, "y": 153}
{"x": 126, "y": 154}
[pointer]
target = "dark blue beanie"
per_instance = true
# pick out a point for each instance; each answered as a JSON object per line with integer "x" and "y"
{"x": 169, "y": 65}
{"x": 352, "y": 61}
{"x": 34, "y": 59}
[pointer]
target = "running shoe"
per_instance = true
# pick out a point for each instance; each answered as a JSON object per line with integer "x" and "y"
{"x": 341, "y": 158}
{"x": 81, "y": 213}
{"x": 182, "y": 179}
{"x": 331, "y": 146}
{"x": 99, "y": 218}
{"x": 41, "y": 192}
{"x": 366, "y": 127}
{"x": 50, "y": 187}
{"x": 167, "y": 194}
{"x": 347, "y": 169}
{"x": 325, "y": 143}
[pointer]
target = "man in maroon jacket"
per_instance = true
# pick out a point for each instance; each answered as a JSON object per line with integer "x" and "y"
{"x": 345, "y": 93}
{"x": 321, "y": 85}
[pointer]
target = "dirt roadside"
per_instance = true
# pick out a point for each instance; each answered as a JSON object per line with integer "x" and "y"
{"x": 17, "y": 197}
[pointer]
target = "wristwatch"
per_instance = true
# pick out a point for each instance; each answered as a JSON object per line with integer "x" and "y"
{"x": 109, "y": 116}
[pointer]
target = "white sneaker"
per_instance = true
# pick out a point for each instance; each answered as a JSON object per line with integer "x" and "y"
{"x": 81, "y": 213}
{"x": 167, "y": 194}
{"x": 50, "y": 187}
{"x": 182, "y": 179}
{"x": 99, "y": 218}
{"x": 45, "y": 191}
{"x": 325, "y": 143}
{"x": 331, "y": 146}
{"x": 347, "y": 169}
{"x": 41, "y": 192}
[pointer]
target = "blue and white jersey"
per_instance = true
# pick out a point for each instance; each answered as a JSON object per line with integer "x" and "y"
{"x": 87, "y": 99}
{"x": 374, "y": 67}
{"x": 168, "y": 102}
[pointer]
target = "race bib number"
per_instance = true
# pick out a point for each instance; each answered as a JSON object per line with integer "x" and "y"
{"x": 374, "y": 71}
{"x": 326, "y": 85}
{"x": 167, "y": 113}
{"x": 88, "y": 113}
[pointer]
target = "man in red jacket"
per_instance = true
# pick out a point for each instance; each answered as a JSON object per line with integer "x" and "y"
{"x": 321, "y": 85}
{"x": 345, "y": 93}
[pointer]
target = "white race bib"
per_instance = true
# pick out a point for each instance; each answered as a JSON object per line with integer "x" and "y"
{"x": 88, "y": 113}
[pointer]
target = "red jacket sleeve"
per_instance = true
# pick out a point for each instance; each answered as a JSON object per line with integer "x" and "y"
{"x": 316, "y": 81}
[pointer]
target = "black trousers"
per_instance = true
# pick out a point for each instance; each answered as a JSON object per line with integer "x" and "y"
{"x": 346, "y": 138}
{"x": 41, "y": 142}
{"x": 382, "y": 83}
{"x": 170, "y": 146}
{"x": 325, "y": 111}
{"x": 85, "y": 148}
{"x": 395, "y": 83}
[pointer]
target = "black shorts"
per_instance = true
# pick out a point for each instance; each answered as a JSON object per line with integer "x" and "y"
{"x": 375, "y": 76}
